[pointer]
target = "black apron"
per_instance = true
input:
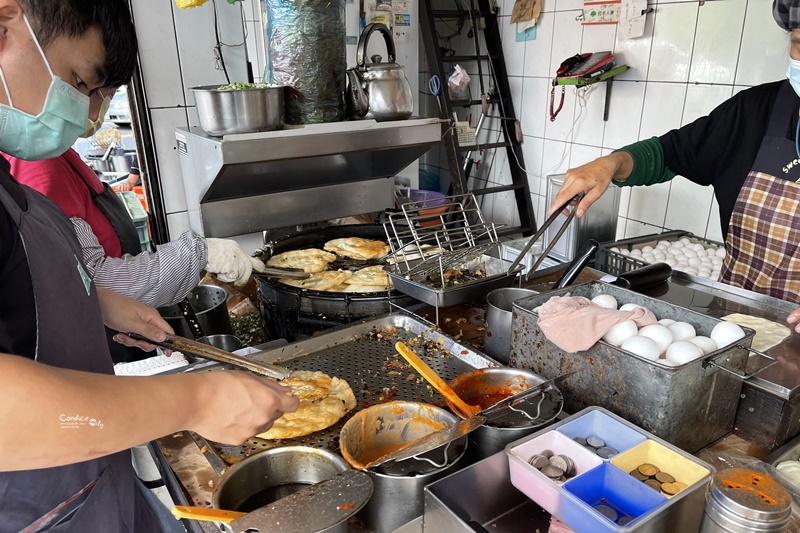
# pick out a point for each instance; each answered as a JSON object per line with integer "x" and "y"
{"x": 69, "y": 334}
{"x": 763, "y": 243}
{"x": 117, "y": 214}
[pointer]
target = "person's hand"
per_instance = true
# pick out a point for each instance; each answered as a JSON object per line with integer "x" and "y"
{"x": 124, "y": 314}
{"x": 794, "y": 316}
{"x": 593, "y": 178}
{"x": 123, "y": 186}
{"x": 234, "y": 406}
{"x": 229, "y": 262}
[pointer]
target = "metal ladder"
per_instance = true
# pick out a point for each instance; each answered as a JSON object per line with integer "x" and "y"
{"x": 497, "y": 98}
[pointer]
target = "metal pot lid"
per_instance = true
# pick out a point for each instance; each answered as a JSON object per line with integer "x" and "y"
{"x": 751, "y": 495}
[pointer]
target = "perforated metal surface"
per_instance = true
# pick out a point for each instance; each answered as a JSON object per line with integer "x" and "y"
{"x": 365, "y": 357}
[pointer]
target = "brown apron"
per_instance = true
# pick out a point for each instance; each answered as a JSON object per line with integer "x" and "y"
{"x": 763, "y": 243}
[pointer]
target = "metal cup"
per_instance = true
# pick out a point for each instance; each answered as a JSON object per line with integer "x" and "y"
{"x": 497, "y": 336}
{"x": 226, "y": 341}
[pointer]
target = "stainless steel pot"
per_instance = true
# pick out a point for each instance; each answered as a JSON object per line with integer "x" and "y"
{"x": 208, "y": 302}
{"x": 120, "y": 163}
{"x": 273, "y": 474}
{"x": 239, "y": 110}
{"x": 224, "y": 341}
{"x": 493, "y": 436}
{"x": 398, "y": 494}
{"x": 499, "y": 307}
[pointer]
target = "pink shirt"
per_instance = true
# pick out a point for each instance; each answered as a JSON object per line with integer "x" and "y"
{"x": 64, "y": 180}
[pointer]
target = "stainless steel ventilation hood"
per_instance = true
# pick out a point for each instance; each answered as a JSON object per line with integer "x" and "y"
{"x": 246, "y": 183}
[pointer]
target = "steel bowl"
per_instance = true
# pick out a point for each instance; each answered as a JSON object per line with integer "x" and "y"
{"x": 476, "y": 386}
{"x": 239, "y": 110}
{"x": 273, "y": 474}
{"x": 208, "y": 302}
{"x": 223, "y": 341}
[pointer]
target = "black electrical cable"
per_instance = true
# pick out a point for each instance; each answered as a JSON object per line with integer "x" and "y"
{"x": 218, "y": 47}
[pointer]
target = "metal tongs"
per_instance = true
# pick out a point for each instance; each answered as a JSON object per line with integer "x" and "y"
{"x": 206, "y": 351}
{"x": 552, "y": 218}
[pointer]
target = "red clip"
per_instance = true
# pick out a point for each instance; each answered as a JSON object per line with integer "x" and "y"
{"x": 554, "y": 114}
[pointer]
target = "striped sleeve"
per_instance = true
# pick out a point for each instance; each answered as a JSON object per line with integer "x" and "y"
{"x": 157, "y": 278}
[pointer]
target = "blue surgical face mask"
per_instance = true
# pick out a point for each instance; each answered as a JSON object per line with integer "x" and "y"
{"x": 50, "y": 133}
{"x": 793, "y": 73}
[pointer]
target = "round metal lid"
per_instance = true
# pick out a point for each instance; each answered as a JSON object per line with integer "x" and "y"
{"x": 750, "y": 494}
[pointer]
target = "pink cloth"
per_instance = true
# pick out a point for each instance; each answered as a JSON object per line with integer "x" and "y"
{"x": 557, "y": 526}
{"x": 574, "y": 323}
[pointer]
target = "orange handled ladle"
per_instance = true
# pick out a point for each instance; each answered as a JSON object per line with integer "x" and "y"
{"x": 467, "y": 411}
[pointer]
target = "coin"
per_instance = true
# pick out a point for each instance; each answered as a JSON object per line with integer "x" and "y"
{"x": 595, "y": 442}
{"x": 570, "y": 470}
{"x": 680, "y": 485}
{"x": 547, "y": 453}
{"x": 607, "y": 453}
{"x": 538, "y": 461}
{"x": 559, "y": 462}
{"x": 653, "y": 484}
{"x": 663, "y": 477}
{"x": 638, "y": 475}
{"x": 553, "y": 472}
{"x": 648, "y": 470}
{"x": 625, "y": 520}
{"x": 580, "y": 440}
{"x": 607, "y": 511}
{"x": 670, "y": 488}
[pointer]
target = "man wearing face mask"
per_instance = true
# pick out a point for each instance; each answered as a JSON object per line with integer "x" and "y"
{"x": 109, "y": 240}
{"x": 56, "y": 373}
{"x": 747, "y": 149}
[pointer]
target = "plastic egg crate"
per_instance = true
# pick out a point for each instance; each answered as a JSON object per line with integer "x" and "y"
{"x": 681, "y": 251}
{"x": 607, "y": 481}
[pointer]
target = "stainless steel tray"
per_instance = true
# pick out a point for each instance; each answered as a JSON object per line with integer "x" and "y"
{"x": 689, "y": 405}
{"x": 497, "y": 277}
{"x": 363, "y": 355}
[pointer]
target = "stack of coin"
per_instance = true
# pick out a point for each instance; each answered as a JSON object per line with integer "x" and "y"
{"x": 556, "y": 467}
{"x": 609, "y": 512}
{"x": 597, "y": 445}
{"x": 657, "y": 479}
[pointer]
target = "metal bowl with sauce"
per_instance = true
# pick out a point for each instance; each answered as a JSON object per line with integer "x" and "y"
{"x": 487, "y": 386}
{"x": 223, "y": 112}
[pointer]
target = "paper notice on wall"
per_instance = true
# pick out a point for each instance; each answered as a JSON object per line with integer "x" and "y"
{"x": 402, "y": 27}
{"x": 380, "y": 12}
{"x": 632, "y": 19}
{"x": 601, "y": 12}
{"x": 400, "y": 6}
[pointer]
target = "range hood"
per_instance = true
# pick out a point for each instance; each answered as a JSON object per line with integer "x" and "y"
{"x": 246, "y": 183}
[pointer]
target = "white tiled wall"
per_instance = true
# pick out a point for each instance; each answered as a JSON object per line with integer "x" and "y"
{"x": 692, "y": 57}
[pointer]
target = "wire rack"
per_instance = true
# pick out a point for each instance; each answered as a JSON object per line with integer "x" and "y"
{"x": 427, "y": 238}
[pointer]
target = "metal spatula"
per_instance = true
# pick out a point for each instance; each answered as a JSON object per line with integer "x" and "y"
{"x": 315, "y": 508}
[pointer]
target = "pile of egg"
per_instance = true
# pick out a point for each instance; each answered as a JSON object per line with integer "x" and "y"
{"x": 668, "y": 342}
{"x": 693, "y": 258}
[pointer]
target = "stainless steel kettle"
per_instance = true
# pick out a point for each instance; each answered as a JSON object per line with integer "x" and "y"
{"x": 378, "y": 90}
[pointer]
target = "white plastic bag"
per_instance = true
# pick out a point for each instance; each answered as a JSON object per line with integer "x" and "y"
{"x": 458, "y": 84}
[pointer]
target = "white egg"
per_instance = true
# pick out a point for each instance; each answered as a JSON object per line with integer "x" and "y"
{"x": 714, "y": 275}
{"x": 716, "y": 260}
{"x": 665, "y": 362}
{"x": 690, "y": 270}
{"x": 721, "y": 252}
{"x": 666, "y": 321}
{"x": 704, "y": 343}
{"x": 711, "y": 251}
{"x": 637, "y": 252}
{"x": 642, "y": 346}
{"x": 605, "y": 300}
{"x": 682, "y": 352}
{"x": 660, "y": 334}
{"x": 628, "y": 307}
{"x": 660, "y": 256}
{"x": 697, "y": 247}
{"x": 704, "y": 272}
{"x": 615, "y": 249}
{"x": 662, "y": 247}
{"x": 726, "y": 333}
{"x": 621, "y": 332}
{"x": 647, "y": 249}
{"x": 682, "y": 331}
{"x": 648, "y": 258}
{"x": 689, "y": 253}
{"x": 671, "y": 262}
{"x": 685, "y": 240}
{"x": 624, "y": 252}
{"x": 665, "y": 243}
{"x": 695, "y": 262}
{"x": 678, "y": 244}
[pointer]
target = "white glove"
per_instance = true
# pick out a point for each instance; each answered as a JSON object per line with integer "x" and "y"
{"x": 229, "y": 262}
